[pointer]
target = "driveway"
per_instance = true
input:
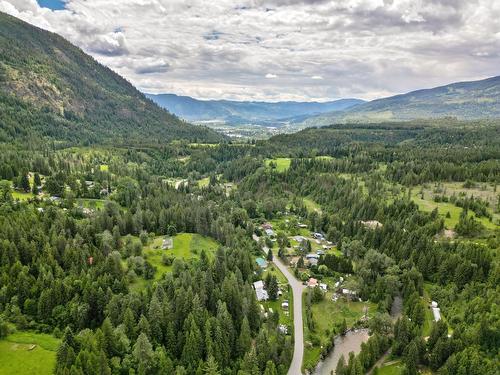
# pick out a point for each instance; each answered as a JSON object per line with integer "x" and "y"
{"x": 298, "y": 328}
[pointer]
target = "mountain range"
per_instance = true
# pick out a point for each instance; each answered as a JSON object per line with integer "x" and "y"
{"x": 462, "y": 100}
{"x": 51, "y": 89}
{"x": 247, "y": 112}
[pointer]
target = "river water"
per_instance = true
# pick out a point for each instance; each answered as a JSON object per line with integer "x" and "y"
{"x": 351, "y": 342}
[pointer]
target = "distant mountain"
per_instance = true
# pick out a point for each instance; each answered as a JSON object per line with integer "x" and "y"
{"x": 463, "y": 100}
{"x": 244, "y": 112}
{"x": 50, "y": 88}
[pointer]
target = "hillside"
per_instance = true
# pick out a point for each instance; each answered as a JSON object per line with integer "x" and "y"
{"x": 243, "y": 112}
{"x": 50, "y": 88}
{"x": 463, "y": 100}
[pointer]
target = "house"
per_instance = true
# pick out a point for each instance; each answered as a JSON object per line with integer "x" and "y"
{"x": 312, "y": 256}
{"x": 312, "y": 259}
{"x": 312, "y": 262}
{"x": 167, "y": 243}
{"x": 348, "y": 293}
{"x": 323, "y": 287}
{"x": 269, "y": 232}
{"x": 262, "y": 263}
{"x": 284, "y": 305}
{"x": 312, "y": 283}
{"x": 266, "y": 226}
{"x": 318, "y": 236}
{"x": 436, "y": 311}
{"x": 320, "y": 252}
{"x": 299, "y": 239}
{"x": 260, "y": 292}
{"x": 283, "y": 329}
{"x": 372, "y": 224}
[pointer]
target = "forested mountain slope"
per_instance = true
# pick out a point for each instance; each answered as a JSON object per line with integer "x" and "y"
{"x": 463, "y": 100}
{"x": 48, "y": 87}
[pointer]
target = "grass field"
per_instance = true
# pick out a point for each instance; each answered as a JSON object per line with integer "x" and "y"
{"x": 312, "y": 205}
{"x": 427, "y": 205}
{"x": 282, "y": 164}
{"x": 91, "y": 203}
{"x": 18, "y": 356}
{"x": 204, "y": 182}
{"x": 21, "y": 196}
{"x": 186, "y": 246}
{"x": 391, "y": 369}
{"x": 326, "y": 315}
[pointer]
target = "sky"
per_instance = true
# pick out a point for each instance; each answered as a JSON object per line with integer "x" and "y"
{"x": 279, "y": 49}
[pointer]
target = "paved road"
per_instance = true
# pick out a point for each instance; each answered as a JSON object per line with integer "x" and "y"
{"x": 298, "y": 328}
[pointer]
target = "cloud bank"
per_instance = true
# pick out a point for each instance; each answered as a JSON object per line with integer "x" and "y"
{"x": 281, "y": 49}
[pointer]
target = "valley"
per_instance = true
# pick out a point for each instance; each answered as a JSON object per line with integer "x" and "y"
{"x": 268, "y": 238}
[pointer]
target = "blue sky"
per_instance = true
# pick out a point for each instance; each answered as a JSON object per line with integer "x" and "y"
{"x": 52, "y": 4}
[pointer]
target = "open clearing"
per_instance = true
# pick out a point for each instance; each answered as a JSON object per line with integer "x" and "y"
{"x": 427, "y": 204}
{"x": 391, "y": 369}
{"x": 337, "y": 312}
{"x": 186, "y": 246}
{"x": 28, "y": 353}
{"x": 282, "y": 164}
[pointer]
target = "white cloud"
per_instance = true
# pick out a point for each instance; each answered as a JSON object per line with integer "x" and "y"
{"x": 360, "y": 48}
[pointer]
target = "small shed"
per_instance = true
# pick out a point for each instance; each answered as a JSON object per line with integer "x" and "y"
{"x": 167, "y": 243}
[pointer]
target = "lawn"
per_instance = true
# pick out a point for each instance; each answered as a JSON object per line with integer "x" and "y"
{"x": 186, "y": 246}
{"x": 21, "y": 196}
{"x": 17, "y": 358}
{"x": 391, "y": 369}
{"x": 326, "y": 315}
{"x": 91, "y": 203}
{"x": 204, "y": 182}
{"x": 282, "y": 164}
{"x": 287, "y": 295}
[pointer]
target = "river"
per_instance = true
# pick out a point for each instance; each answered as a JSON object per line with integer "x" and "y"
{"x": 351, "y": 342}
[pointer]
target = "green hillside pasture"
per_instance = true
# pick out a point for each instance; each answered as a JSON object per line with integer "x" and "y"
{"x": 28, "y": 353}
{"x": 427, "y": 205}
{"x": 282, "y": 164}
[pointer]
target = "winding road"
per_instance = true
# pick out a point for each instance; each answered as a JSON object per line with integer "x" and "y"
{"x": 298, "y": 328}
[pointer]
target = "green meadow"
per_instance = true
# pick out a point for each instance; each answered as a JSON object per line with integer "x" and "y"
{"x": 28, "y": 353}
{"x": 282, "y": 164}
{"x": 186, "y": 246}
